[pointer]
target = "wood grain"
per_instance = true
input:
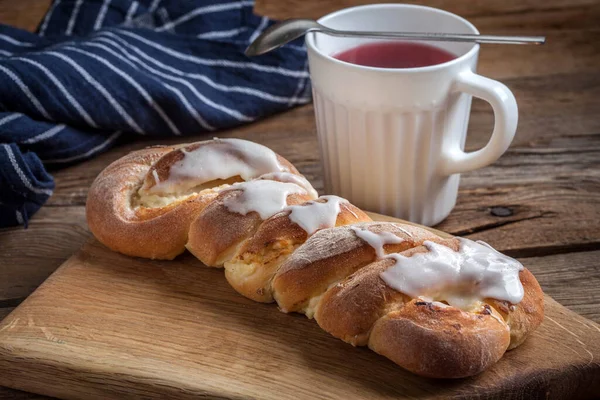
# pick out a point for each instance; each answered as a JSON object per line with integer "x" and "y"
{"x": 478, "y": 11}
{"x": 108, "y": 326}
{"x": 549, "y": 178}
{"x": 571, "y": 279}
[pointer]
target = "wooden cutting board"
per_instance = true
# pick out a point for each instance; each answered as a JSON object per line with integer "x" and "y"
{"x": 107, "y": 326}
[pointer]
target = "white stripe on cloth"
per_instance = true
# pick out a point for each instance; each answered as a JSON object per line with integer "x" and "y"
{"x": 9, "y": 118}
{"x": 73, "y": 18}
{"x": 259, "y": 29}
{"x": 294, "y": 47}
{"x": 155, "y": 106}
{"x": 203, "y": 10}
{"x": 118, "y": 108}
{"x": 27, "y": 92}
{"x": 220, "y": 34}
{"x": 45, "y": 135}
{"x": 164, "y": 15}
{"x": 62, "y": 89}
{"x": 14, "y": 41}
{"x": 301, "y": 83}
{"x": 19, "y": 171}
{"x": 5, "y": 53}
{"x": 177, "y": 92}
{"x": 131, "y": 11}
{"x": 190, "y": 109}
{"x": 234, "y": 113}
{"x": 101, "y": 15}
{"x": 19, "y": 217}
{"x": 210, "y": 62}
{"x": 153, "y": 5}
{"x": 47, "y": 18}
{"x": 89, "y": 153}
{"x": 236, "y": 89}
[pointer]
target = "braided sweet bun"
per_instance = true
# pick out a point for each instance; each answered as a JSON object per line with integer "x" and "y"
{"x": 342, "y": 287}
{"x": 443, "y": 308}
{"x": 144, "y": 203}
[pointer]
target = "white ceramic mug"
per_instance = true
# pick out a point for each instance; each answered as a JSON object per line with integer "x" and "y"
{"x": 392, "y": 140}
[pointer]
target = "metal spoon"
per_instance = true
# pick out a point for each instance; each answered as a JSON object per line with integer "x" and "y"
{"x": 290, "y": 29}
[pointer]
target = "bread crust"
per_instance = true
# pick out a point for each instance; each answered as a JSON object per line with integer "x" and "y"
{"x": 251, "y": 270}
{"x": 525, "y": 317}
{"x": 439, "y": 341}
{"x": 120, "y": 218}
{"x": 216, "y": 232}
{"x": 157, "y": 233}
{"x": 330, "y": 255}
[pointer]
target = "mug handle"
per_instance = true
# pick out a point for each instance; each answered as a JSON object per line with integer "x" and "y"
{"x": 506, "y": 115}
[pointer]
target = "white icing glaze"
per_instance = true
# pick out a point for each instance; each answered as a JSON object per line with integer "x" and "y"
{"x": 377, "y": 240}
{"x": 262, "y": 196}
{"x": 292, "y": 178}
{"x": 155, "y": 175}
{"x": 220, "y": 159}
{"x": 461, "y": 278}
{"x": 313, "y": 215}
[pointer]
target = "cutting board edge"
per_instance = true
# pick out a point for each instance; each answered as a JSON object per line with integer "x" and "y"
{"x": 38, "y": 380}
{"x": 579, "y": 378}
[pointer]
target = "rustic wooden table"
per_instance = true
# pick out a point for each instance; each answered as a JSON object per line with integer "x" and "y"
{"x": 540, "y": 202}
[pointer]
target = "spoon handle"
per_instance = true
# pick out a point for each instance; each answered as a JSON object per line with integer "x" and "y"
{"x": 438, "y": 37}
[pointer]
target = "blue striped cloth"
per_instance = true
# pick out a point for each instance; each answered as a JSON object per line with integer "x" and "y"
{"x": 103, "y": 70}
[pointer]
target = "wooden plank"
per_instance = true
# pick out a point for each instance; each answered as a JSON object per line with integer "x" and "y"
{"x": 12, "y": 394}
{"x": 24, "y": 14}
{"x": 544, "y": 219}
{"x": 108, "y": 326}
{"x": 564, "y": 53}
{"x": 571, "y": 279}
{"x": 571, "y": 160}
{"x": 30, "y": 255}
{"x": 480, "y": 11}
{"x": 556, "y": 107}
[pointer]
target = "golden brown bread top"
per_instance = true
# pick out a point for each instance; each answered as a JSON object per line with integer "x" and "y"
{"x": 256, "y": 261}
{"x": 281, "y": 227}
{"x": 216, "y": 230}
{"x": 118, "y": 223}
{"x": 333, "y": 254}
